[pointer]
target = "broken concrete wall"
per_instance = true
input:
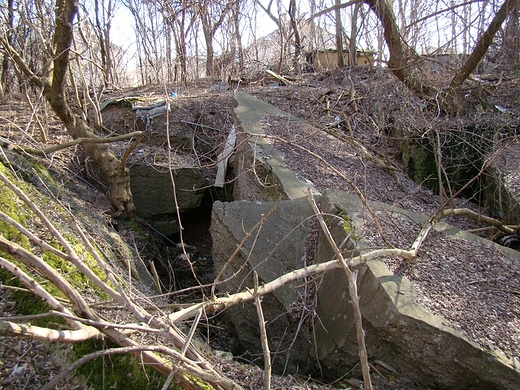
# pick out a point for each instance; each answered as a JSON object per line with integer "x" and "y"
{"x": 152, "y": 189}
{"x": 399, "y": 332}
{"x": 271, "y": 249}
{"x": 502, "y": 192}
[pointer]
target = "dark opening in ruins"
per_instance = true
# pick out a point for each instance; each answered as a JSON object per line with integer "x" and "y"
{"x": 179, "y": 269}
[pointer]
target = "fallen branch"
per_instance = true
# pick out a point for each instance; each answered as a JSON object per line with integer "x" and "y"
{"x": 220, "y": 303}
{"x": 476, "y": 217}
{"x": 281, "y": 79}
{"x": 77, "y": 141}
{"x": 419, "y": 240}
{"x": 38, "y": 264}
{"x": 97, "y": 324}
{"x": 12, "y": 329}
{"x": 37, "y": 289}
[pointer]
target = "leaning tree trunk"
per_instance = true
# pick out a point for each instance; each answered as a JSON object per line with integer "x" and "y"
{"x": 397, "y": 62}
{"x": 448, "y": 100}
{"x": 4, "y": 78}
{"x": 352, "y": 46}
{"x": 293, "y": 15}
{"x": 53, "y": 86}
{"x": 453, "y": 94}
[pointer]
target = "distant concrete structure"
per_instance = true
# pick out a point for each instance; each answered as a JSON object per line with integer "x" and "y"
{"x": 328, "y": 59}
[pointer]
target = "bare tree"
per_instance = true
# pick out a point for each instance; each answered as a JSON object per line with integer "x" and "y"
{"x": 283, "y": 33}
{"x": 212, "y": 15}
{"x": 104, "y": 13}
{"x": 52, "y": 83}
{"x": 448, "y": 98}
{"x": 352, "y": 48}
{"x": 339, "y": 35}
{"x": 511, "y": 39}
{"x": 298, "y": 45}
{"x": 5, "y": 85}
{"x": 236, "y": 48}
{"x": 149, "y": 28}
{"x": 180, "y": 19}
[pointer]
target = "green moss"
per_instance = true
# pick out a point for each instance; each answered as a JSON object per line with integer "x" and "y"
{"x": 27, "y": 303}
{"x": 347, "y": 224}
{"x": 422, "y": 167}
{"x": 136, "y": 228}
{"x": 13, "y": 207}
{"x": 44, "y": 174}
{"x": 202, "y": 384}
{"x": 32, "y": 172}
{"x": 116, "y": 371}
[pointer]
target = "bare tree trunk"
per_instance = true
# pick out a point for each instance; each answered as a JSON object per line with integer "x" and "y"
{"x": 5, "y": 60}
{"x": 293, "y": 15}
{"x": 511, "y": 41}
{"x": 448, "y": 100}
{"x": 398, "y": 59}
{"x": 116, "y": 175}
{"x": 238, "y": 36}
{"x": 352, "y": 48}
{"x": 210, "y": 54}
{"x": 282, "y": 34}
{"x": 168, "y": 44}
{"x": 210, "y": 27}
{"x": 339, "y": 35}
{"x": 103, "y": 17}
{"x": 181, "y": 56}
{"x": 452, "y": 104}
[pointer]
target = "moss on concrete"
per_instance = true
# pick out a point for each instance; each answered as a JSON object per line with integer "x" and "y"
{"x": 13, "y": 207}
{"x": 347, "y": 224}
{"x": 116, "y": 371}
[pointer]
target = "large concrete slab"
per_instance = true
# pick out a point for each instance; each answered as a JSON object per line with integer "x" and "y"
{"x": 400, "y": 332}
{"x": 281, "y": 181}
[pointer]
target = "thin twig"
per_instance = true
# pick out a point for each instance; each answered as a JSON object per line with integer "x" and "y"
{"x": 263, "y": 335}
{"x": 354, "y": 297}
{"x": 78, "y": 141}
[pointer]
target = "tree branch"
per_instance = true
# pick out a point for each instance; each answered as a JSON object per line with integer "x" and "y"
{"x": 37, "y": 289}
{"x": 476, "y": 217}
{"x": 78, "y": 141}
{"x": 482, "y": 45}
{"x": 217, "y": 304}
{"x": 263, "y": 335}
{"x": 11, "y": 329}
